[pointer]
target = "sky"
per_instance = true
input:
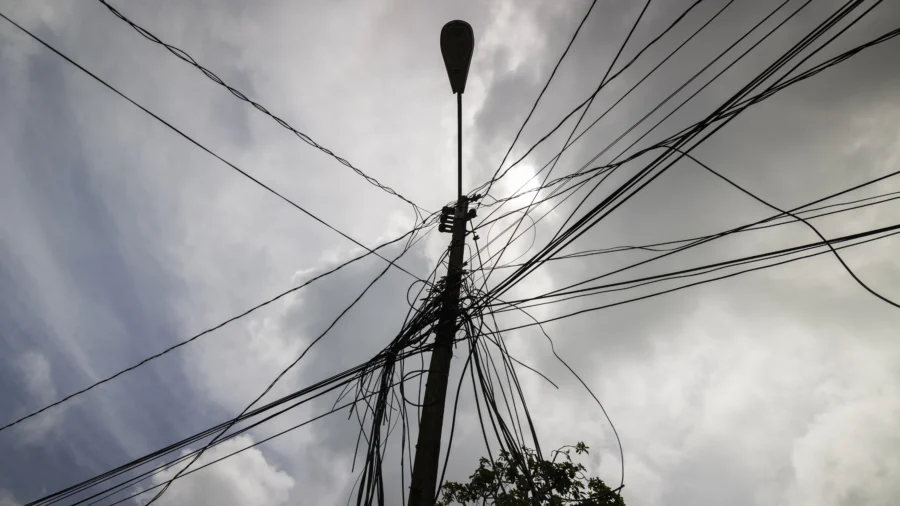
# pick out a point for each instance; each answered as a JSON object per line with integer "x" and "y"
{"x": 119, "y": 238}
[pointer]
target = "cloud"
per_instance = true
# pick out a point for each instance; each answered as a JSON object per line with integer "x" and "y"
{"x": 36, "y": 376}
{"x": 247, "y": 479}
{"x": 772, "y": 388}
{"x": 740, "y": 410}
{"x": 849, "y": 454}
{"x": 244, "y": 359}
{"x": 7, "y": 498}
{"x": 34, "y": 370}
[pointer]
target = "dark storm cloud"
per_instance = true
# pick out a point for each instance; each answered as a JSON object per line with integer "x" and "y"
{"x": 758, "y": 150}
{"x": 104, "y": 275}
{"x": 129, "y": 240}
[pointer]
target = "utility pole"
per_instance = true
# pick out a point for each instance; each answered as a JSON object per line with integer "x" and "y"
{"x": 457, "y": 43}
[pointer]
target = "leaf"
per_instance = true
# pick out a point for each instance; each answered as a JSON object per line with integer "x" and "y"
{"x": 515, "y": 479}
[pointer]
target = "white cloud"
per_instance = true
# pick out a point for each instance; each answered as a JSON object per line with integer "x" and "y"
{"x": 246, "y": 358}
{"x": 8, "y": 499}
{"x": 851, "y": 451}
{"x": 793, "y": 408}
{"x": 34, "y": 370}
{"x": 37, "y": 379}
{"x": 247, "y": 479}
{"x": 725, "y": 401}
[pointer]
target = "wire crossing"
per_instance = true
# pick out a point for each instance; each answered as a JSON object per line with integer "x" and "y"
{"x": 187, "y": 58}
{"x": 474, "y": 314}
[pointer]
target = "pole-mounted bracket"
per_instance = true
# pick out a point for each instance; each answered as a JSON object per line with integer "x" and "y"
{"x": 448, "y": 217}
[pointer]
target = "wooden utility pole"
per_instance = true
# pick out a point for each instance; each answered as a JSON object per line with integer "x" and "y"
{"x": 428, "y": 448}
{"x": 457, "y": 42}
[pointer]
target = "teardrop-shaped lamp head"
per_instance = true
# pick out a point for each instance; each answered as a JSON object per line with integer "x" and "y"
{"x": 457, "y": 44}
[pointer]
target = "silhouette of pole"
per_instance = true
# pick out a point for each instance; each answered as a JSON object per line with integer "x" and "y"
{"x": 459, "y": 191}
{"x": 457, "y": 43}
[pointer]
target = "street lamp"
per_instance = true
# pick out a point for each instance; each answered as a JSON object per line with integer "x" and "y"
{"x": 457, "y": 44}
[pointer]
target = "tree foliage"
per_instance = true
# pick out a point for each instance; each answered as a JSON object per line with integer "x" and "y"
{"x": 555, "y": 482}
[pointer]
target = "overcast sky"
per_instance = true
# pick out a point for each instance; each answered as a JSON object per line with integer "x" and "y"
{"x": 119, "y": 238}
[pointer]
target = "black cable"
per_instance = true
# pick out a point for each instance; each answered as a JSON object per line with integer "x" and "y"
{"x": 613, "y": 202}
{"x": 705, "y": 239}
{"x": 413, "y": 337}
{"x": 627, "y": 93}
{"x": 504, "y": 354}
{"x": 655, "y": 294}
{"x": 807, "y": 74}
{"x": 707, "y": 137}
{"x": 226, "y": 426}
{"x": 691, "y": 272}
{"x": 683, "y": 85}
{"x": 711, "y": 118}
{"x": 541, "y": 94}
{"x": 603, "y": 82}
{"x": 590, "y": 99}
{"x": 462, "y": 376}
{"x": 187, "y": 58}
{"x": 695, "y": 76}
{"x": 695, "y": 145}
{"x": 196, "y": 143}
{"x": 798, "y": 218}
{"x": 586, "y": 103}
{"x": 591, "y": 392}
{"x": 369, "y": 251}
{"x": 741, "y": 105}
{"x": 357, "y": 372}
{"x": 334, "y": 381}
{"x": 674, "y": 93}
{"x": 194, "y": 337}
{"x": 661, "y": 246}
{"x": 307, "y": 422}
{"x": 500, "y": 430}
{"x": 525, "y": 252}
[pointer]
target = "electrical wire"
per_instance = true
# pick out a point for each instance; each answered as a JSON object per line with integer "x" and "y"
{"x": 895, "y": 229}
{"x": 380, "y": 400}
{"x": 187, "y": 58}
{"x": 197, "y": 143}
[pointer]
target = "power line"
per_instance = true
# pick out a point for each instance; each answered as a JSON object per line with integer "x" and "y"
{"x": 603, "y": 82}
{"x": 553, "y": 349}
{"x": 565, "y": 179}
{"x": 201, "y": 146}
{"x": 686, "y": 83}
{"x": 693, "y": 271}
{"x": 283, "y": 372}
{"x": 894, "y": 230}
{"x": 586, "y": 103}
{"x": 804, "y": 221}
{"x": 710, "y": 119}
{"x": 232, "y": 454}
{"x": 187, "y": 58}
{"x": 541, "y": 94}
{"x": 403, "y": 347}
{"x": 649, "y": 173}
{"x": 753, "y": 100}
{"x": 610, "y": 108}
{"x": 234, "y": 167}
{"x": 756, "y": 82}
{"x": 314, "y": 391}
{"x": 662, "y": 246}
{"x": 377, "y": 380}
{"x": 195, "y": 336}
{"x": 334, "y": 381}
{"x": 508, "y": 367}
